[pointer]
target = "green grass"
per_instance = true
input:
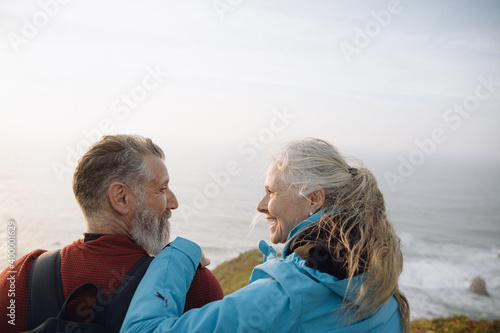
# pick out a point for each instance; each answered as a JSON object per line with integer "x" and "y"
{"x": 457, "y": 324}
{"x": 234, "y": 274}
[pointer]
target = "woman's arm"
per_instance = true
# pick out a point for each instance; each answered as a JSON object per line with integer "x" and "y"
{"x": 262, "y": 306}
{"x": 163, "y": 288}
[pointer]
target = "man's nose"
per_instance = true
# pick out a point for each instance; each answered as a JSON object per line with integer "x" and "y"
{"x": 172, "y": 201}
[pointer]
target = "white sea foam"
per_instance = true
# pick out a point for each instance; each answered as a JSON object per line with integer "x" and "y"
{"x": 437, "y": 280}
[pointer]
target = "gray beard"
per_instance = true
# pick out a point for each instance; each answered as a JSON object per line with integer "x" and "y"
{"x": 148, "y": 231}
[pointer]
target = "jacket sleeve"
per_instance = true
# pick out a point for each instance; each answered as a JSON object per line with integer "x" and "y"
{"x": 262, "y": 306}
{"x": 163, "y": 288}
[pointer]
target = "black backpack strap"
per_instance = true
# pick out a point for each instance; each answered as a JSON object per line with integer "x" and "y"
{"x": 45, "y": 293}
{"x": 45, "y": 282}
{"x": 119, "y": 300}
{"x": 58, "y": 323}
{"x": 99, "y": 299}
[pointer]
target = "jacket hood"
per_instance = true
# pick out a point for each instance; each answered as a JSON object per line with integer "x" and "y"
{"x": 346, "y": 288}
{"x": 339, "y": 287}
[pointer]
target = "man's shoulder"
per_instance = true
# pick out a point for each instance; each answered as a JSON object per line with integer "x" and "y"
{"x": 204, "y": 289}
{"x": 23, "y": 264}
{"x": 14, "y": 284}
{"x": 20, "y": 269}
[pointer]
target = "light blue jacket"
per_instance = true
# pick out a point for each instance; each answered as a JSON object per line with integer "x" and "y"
{"x": 284, "y": 295}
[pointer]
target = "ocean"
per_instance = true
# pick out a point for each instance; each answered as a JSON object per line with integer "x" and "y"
{"x": 447, "y": 215}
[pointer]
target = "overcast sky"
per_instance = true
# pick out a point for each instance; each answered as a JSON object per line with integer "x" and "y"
{"x": 368, "y": 76}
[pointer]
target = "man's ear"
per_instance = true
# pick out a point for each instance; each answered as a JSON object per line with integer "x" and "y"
{"x": 316, "y": 199}
{"x": 121, "y": 198}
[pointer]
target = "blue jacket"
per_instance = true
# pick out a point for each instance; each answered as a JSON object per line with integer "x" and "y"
{"x": 284, "y": 295}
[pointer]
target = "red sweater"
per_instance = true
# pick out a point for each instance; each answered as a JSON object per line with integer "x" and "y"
{"x": 104, "y": 262}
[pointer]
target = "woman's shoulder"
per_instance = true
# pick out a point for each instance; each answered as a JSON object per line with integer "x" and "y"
{"x": 292, "y": 272}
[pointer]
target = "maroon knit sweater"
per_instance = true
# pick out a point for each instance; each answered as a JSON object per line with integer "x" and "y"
{"x": 104, "y": 262}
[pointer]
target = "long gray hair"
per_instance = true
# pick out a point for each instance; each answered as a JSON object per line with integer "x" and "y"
{"x": 360, "y": 233}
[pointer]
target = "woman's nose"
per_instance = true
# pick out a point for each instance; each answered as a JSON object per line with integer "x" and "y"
{"x": 262, "y": 205}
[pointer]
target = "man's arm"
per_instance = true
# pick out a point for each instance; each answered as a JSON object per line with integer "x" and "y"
{"x": 14, "y": 293}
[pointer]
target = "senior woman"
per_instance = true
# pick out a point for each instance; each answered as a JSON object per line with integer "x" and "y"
{"x": 339, "y": 269}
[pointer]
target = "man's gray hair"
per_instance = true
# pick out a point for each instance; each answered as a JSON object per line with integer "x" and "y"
{"x": 115, "y": 158}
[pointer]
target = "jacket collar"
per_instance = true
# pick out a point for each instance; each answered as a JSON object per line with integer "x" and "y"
{"x": 300, "y": 227}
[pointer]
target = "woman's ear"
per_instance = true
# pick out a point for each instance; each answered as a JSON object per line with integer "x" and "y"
{"x": 121, "y": 198}
{"x": 316, "y": 199}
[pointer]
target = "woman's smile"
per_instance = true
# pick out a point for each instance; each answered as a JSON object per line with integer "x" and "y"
{"x": 273, "y": 221}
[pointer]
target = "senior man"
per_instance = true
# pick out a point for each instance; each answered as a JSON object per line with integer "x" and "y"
{"x": 122, "y": 187}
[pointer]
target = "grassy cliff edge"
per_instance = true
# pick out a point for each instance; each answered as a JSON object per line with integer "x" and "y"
{"x": 234, "y": 274}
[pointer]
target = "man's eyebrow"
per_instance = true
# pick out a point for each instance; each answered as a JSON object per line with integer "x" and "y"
{"x": 162, "y": 183}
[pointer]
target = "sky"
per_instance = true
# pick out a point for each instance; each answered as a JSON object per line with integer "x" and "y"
{"x": 410, "y": 87}
{"x": 375, "y": 78}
